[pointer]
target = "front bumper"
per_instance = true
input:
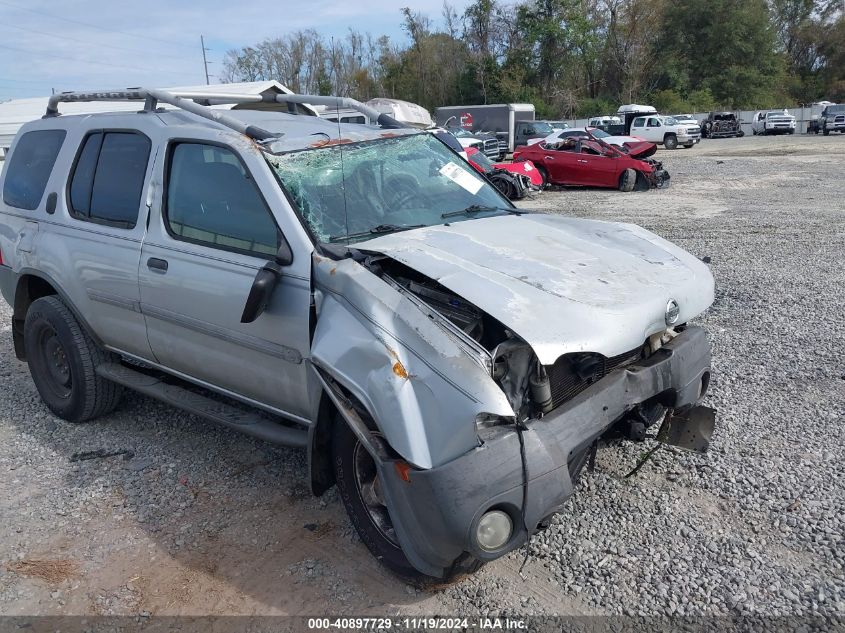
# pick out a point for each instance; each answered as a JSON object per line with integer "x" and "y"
{"x": 689, "y": 140}
{"x": 435, "y": 513}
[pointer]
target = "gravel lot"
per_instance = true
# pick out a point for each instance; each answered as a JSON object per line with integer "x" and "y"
{"x": 200, "y": 520}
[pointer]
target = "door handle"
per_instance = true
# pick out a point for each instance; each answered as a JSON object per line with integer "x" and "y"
{"x": 548, "y": 158}
{"x": 583, "y": 161}
{"x": 154, "y": 263}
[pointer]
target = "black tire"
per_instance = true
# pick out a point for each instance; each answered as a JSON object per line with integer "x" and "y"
{"x": 352, "y": 464}
{"x": 544, "y": 176}
{"x": 825, "y": 131}
{"x": 505, "y": 188}
{"x": 63, "y": 361}
{"x": 740, "y": 134}
{"x": 627, "y": 180}
{"x": 670, "y": 141}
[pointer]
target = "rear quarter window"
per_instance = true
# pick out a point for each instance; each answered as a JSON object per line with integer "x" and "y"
{"x": 108, "y": 178}
{"x": 30, "y": 166}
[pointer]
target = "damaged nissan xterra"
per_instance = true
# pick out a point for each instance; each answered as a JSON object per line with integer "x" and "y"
{"x": 447, "y": 360}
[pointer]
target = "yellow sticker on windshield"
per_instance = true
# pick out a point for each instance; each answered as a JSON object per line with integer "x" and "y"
{"x": 461, "y": 177}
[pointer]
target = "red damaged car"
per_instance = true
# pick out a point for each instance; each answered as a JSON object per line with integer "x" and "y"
{"x": 512, "y": 179}
{"x": 588, "y": 161}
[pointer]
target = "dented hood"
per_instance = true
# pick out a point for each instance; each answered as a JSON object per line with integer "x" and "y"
{"x": 640, "y": 149}
{"x": 563, "y": 285}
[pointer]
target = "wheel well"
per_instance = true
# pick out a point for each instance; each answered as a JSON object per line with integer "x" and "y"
{"x": 320, "y": 447}
{"x": 322, "y": 433}
{"x": 30, "y": 288}
{"x": 669, "y": 134}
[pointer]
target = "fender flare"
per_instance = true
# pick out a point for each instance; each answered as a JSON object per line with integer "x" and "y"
{"x": 19, "y": 314}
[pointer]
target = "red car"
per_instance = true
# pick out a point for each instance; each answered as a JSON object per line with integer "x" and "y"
{"x": 485, "y": 166}
{"x": 587, "y": 161}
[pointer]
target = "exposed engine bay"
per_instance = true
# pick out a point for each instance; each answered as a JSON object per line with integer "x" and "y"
{"x": 532, "y": 388}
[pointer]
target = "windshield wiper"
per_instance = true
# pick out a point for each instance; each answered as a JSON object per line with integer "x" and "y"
{"x": 381, "y": 229}
{"x": 480, "y": 208}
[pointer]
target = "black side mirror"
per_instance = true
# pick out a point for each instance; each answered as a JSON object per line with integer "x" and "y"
{"x": 265, "y": 283}
{"x": 261, "y": 292}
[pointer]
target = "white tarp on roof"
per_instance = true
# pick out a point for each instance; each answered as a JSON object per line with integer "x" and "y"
{"x": 13, "y": 114}
{"x": 403, "y": 111}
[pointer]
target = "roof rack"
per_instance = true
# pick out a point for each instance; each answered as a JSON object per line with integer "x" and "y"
{"x": 188, "y": 101}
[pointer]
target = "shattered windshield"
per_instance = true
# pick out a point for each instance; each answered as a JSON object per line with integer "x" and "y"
{"x": 354, "y": 191}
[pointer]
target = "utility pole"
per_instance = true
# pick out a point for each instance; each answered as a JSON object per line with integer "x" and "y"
{"x": 204, "y": 59}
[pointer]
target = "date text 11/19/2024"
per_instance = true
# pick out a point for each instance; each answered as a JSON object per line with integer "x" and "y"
{"x": 417, "y": 623}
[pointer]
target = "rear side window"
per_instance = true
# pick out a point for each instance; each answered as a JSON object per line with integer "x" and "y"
{"x": 212, "y": 200}
{"x": 639, "y": 122}
{"x": 30, "y": 166}
{"x": 108, "y": 178}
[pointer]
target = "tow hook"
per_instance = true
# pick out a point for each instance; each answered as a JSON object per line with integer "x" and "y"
{"x": 690, "y": 429}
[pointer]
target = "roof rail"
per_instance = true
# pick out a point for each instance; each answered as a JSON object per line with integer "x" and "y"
{"x": 188, "y": 101}
{"x": 151, "y": 98}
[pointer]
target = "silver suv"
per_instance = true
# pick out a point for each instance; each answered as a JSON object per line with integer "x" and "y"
{"x": 448, "y": 361}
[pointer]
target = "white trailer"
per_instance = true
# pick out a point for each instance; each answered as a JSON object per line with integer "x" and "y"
{"x": 500, "y": 119}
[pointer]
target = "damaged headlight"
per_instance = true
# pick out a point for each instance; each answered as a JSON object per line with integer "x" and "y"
{"x": 484, "y": 421}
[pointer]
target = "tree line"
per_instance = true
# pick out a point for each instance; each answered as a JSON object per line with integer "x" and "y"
{"x": 575, "y": 58}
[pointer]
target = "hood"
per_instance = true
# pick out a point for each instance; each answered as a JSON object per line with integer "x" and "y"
{"x": 620, "y": 140}
{"x": 562, "y": 284}
{"x": 525, "y": 167}
{"x": 640, "y": 149}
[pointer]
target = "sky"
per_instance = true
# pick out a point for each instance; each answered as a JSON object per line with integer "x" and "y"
{"x": 105, "y": 44}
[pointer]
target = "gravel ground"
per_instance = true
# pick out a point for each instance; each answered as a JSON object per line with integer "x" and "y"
{"x": 193, "y": 519}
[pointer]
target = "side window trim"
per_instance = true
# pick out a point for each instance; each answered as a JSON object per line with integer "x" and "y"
{"x": 172, "y": 144}
{"x": 72, "y": 173}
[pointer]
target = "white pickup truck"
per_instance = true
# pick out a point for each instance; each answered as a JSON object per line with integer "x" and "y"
{"x": 773, "y": 122}
{"x": 666, "y": 131}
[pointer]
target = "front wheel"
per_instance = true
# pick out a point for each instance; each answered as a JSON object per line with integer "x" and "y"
{"x": 627, "y": 180}
{"x": 361, "y": 490}
{"x": 544, "y": 176}
{"x": 670, "y": 142}
{"x": 63, "y": 361}
{"x": 740, "y": 134}
{"x": 826, "y": 132}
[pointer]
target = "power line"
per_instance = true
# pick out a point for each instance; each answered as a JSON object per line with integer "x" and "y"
{"x": 96, "y": 63}
{"x": 81, "y": 41}
{"x": 93, "y": 26}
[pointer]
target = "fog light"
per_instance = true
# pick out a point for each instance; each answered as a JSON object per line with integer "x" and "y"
{"x": 494, "y": 530}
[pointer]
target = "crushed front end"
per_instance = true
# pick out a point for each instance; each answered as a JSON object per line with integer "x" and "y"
{"x": 440, "y": 511}
{"x": 658, "y": 177}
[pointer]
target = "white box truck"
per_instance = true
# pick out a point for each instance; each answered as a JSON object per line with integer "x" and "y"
{"x": 512, "y": 124}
